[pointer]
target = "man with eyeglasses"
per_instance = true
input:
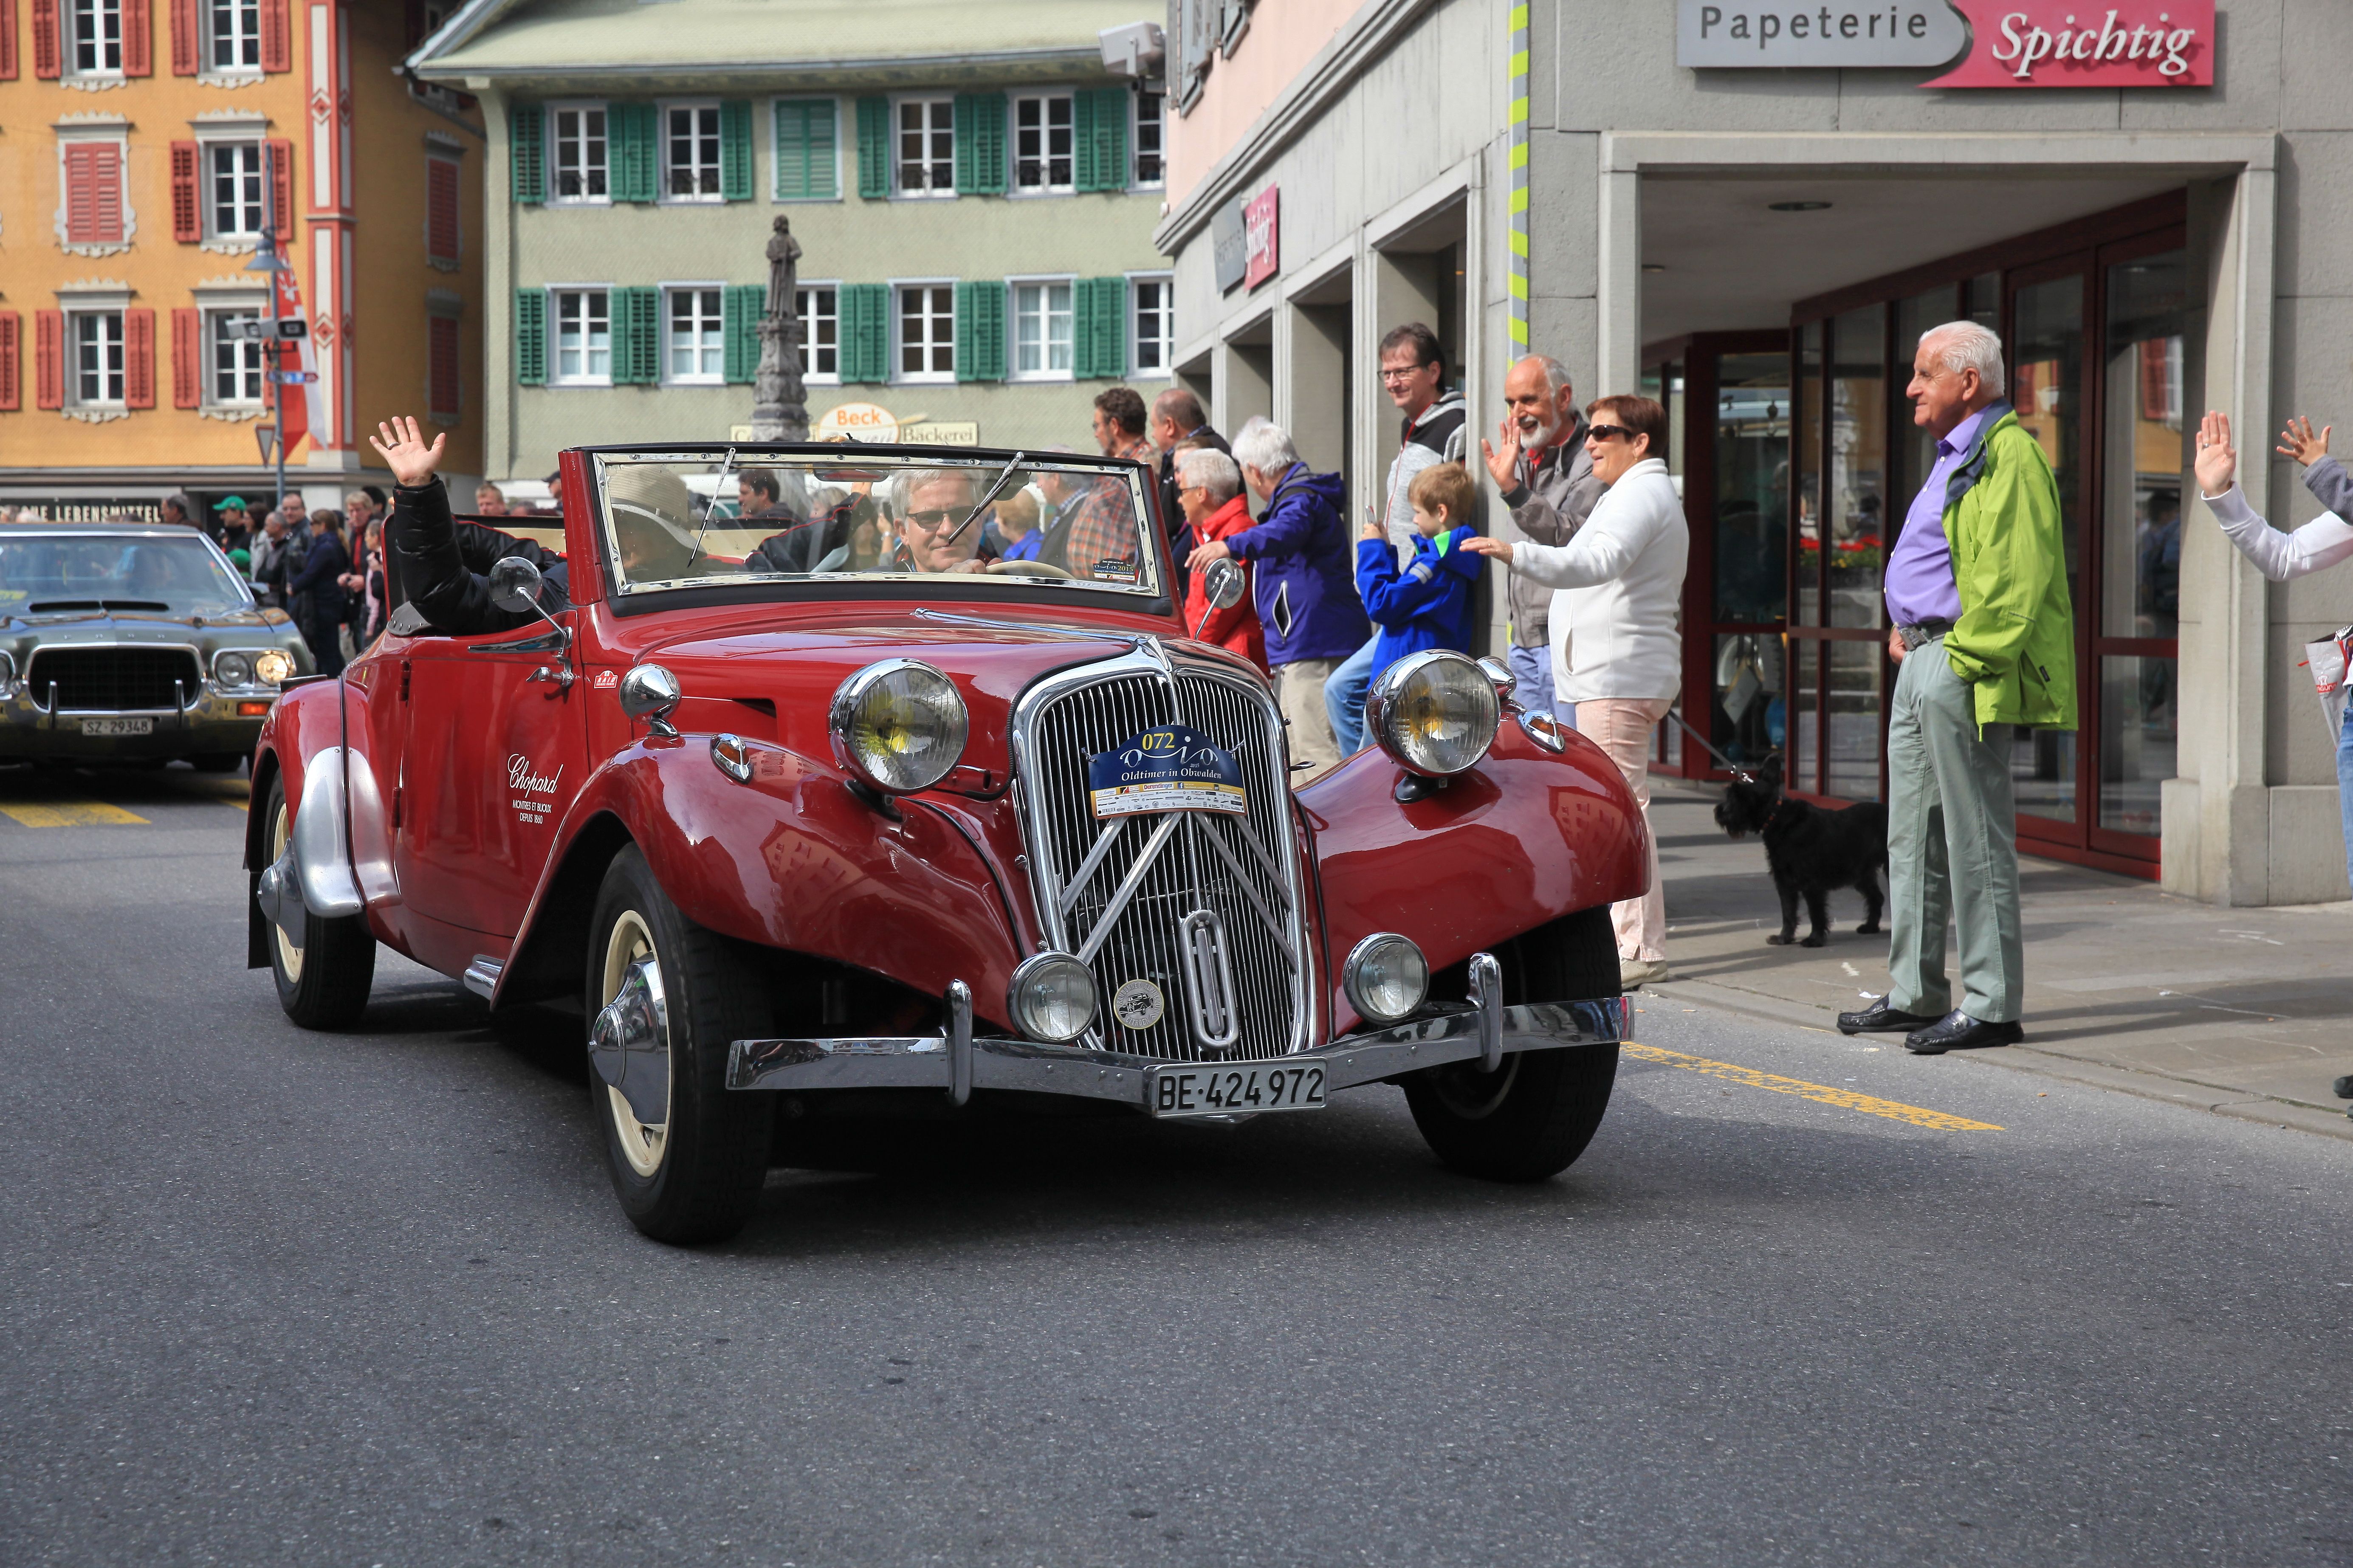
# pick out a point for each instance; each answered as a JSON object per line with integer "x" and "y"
{"x": 1413, "y": 372}
{"x": 937, "y": 501}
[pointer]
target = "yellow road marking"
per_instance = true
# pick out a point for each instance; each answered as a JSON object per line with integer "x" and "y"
{"x": 71, "y": 813}
{"x": 1846, "y": 1098}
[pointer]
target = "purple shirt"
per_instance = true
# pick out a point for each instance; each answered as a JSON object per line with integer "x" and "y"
{"x": 1919, "y": 582}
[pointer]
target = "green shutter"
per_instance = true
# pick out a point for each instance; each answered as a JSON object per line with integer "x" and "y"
{"x": 1082, "y": 143}
{"x": 805, "y": 158}
{"x": 1082, "y": 332}
{"x": 637, "y": 336}
{"x": 741, "y": 308}
{"x": 525, "y": 123}
{"x": 1111, "y": 145}
{"x": 1098, "y": 140}
{"x": 735, "y": 149}
{"x": 531, "y": 337}
{"x": 873, "y": 147}
{"x": 1099, "y": 329}
{"x": 633, "y": 151}
{"x": 980, "y": 143}
{"x": 1111, "y": 328}
{"x": 863, "y": 330}
{"x": 980, "y": 332}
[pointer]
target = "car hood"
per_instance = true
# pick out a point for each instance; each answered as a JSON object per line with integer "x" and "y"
{"x": 206, "y": 633}
{"x": 797, "y": 670}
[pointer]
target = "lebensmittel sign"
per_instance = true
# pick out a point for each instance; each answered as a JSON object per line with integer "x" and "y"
{"x": 1985, "y": 43}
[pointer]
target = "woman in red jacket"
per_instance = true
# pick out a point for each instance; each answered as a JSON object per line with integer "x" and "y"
{"x": 1209, "y": 488}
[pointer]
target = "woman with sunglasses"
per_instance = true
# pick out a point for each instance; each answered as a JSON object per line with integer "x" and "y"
{"x": 1618, "y": 586}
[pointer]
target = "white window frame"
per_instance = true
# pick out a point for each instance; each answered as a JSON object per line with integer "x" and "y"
{"x": 841, "y": 170}
{"x": 207, "y": 149}
{"x": 75, "y": 316}
{"x": 814, "y": 377}
{"x": 1048, "y": 186}
{"x": 69, "y": 20}
{"x": 214, "y": 311}
{"x": 1013, "y": 287}
{"x": 243, "y": 42}
{"x": 1167, "y": 282}
{"x": 696, "y": 106}
{"x": 900, "y": 374}
{"x": 1135, "y": 142}
{"x": 716, "y": 347}
{"x": 555, "y": 377}
{"x": 554, "y": 157}
{"x": 899, "y": 190}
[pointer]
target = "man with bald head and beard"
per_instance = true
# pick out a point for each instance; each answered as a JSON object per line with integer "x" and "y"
{"x": 1540, "y": 464}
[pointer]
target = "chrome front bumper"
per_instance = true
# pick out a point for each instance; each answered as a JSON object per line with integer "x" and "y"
{"x": 959, "y": 1062}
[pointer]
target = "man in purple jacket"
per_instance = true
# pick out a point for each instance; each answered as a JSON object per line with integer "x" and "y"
{"x": 1306, "y": 582}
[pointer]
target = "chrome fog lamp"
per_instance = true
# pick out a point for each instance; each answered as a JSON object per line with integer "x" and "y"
{"x": 272, "y": 667}
{"x": 1435, "y": 713}
{"x": 233, "y": 669}
{"x": 1386, "y": 977}
{"x": 900, "y": 725}
{"x": 1052, "y": 998}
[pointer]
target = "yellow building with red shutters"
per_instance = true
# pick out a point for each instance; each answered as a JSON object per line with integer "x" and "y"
{"x": 144, "y": 147}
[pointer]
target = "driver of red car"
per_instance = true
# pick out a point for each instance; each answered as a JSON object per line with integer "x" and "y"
{"x": 932, "y": 504}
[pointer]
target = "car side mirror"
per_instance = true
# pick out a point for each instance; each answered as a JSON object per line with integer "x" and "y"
{"x": 649, "y": 692}
{"x": 515, "y": 586}
{"x": 1224, "y": 584}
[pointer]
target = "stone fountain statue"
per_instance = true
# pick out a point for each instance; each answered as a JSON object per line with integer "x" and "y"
{"x": 779, "y": 398}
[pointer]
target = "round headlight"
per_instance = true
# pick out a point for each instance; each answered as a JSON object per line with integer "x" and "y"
{"x": 899, "y": 725}
{"x": 233, "y": 669}
{"x": 1434, "y": 713}
{"x": 7, "y": 670}
{"x": 1386, "y": 977}
{"x": 273, "y": 667}
{"x": 1052, "y": 998}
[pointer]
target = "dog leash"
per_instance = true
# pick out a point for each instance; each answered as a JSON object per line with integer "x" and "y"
{"x": 1735, "y": 769}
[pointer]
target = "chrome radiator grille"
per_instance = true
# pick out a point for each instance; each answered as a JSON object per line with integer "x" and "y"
{"x": 1241, "y": 868}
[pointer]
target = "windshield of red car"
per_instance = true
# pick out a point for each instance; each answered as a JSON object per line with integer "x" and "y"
{"x": 59, "y": 573}
{"x": 1066, "y": 522}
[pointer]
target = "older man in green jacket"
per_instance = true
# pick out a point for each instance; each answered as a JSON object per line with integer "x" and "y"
{"x": 1985, "y": 640}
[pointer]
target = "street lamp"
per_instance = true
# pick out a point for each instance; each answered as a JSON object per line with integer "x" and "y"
{"x": 266, "y": 261}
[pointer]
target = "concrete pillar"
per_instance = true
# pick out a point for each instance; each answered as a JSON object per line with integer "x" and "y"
{"x": 1242, "y": 375}
{"x": 1619, "y": 345}
{"x": 1313, "y": 390}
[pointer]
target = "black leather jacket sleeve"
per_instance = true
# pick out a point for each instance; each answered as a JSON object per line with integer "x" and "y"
{"x": 442, "y": 564}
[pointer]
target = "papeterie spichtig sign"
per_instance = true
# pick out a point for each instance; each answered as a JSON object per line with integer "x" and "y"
{"x": 1986, "y": 43}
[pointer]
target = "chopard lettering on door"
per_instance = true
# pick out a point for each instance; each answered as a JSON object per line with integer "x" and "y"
{"x": 523, "y": 778}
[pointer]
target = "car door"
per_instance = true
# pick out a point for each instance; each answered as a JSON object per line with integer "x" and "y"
{"x": 493, "y": 759}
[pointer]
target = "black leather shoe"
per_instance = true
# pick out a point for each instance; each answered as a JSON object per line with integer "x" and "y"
{"x": 1880, "y": 1018}
{"x": 1957, "y": 1031}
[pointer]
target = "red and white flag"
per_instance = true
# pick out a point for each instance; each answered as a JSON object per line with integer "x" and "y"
{"x": 298, "y": 416}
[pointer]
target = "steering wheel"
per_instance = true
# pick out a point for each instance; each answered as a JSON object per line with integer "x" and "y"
{"x": 1030, "y": 569}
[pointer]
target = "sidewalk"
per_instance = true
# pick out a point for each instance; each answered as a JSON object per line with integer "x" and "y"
{"x": 2248, "y": 1013}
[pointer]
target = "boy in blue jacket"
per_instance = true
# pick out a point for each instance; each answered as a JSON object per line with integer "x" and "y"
{"x": 1428, "y": 604}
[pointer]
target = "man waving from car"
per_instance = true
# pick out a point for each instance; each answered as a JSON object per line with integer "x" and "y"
{"x": 441, "y": 563}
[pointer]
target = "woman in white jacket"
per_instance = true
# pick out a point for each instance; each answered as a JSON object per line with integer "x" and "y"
{"x": 1618, "y": 586}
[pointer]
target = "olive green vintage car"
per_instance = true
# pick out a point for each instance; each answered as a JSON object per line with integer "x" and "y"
{"x": 128, "y": 644}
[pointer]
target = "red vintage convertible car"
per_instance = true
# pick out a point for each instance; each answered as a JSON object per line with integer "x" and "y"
{"x": 850, "y": 805}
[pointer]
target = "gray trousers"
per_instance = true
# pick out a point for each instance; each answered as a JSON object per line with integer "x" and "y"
{"x": 1952, "y": 848}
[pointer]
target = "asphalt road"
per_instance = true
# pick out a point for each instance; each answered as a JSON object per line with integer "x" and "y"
{"x": 278, "y": 1298}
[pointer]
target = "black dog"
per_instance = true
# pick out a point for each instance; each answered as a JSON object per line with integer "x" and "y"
{"x": 1809, "y": 850}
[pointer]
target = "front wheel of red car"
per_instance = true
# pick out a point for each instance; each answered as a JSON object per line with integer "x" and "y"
{"x": 690, "y": 1170}
{"x": 1530, "y": 1118}
{"x": 323, "y": 980}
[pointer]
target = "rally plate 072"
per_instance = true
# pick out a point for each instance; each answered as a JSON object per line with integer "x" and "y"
{"x": 1241, "y": 1088}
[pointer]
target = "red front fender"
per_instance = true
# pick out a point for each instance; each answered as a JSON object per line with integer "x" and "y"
{"x": 790, "y": 860}
{"x": 1524, "y": 838}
